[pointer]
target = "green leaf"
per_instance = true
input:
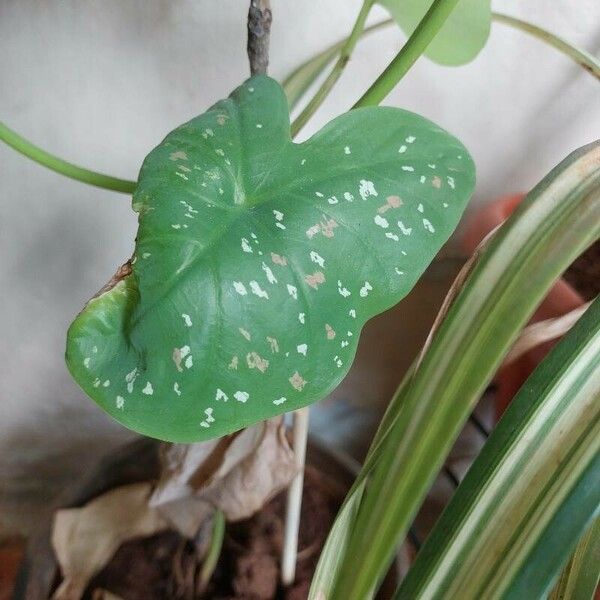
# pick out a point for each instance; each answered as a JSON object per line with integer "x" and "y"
{"x": 532, "y": 490}
{"x": 459, "y": 40}
{"x": 258, "y": 261}
{"x": 581, "y": 575}
{"x": 559, "y": 218}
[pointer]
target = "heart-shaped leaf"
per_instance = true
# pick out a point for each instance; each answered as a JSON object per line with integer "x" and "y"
{"x": 462, "y": 36}
{"x": 258, "y": 261}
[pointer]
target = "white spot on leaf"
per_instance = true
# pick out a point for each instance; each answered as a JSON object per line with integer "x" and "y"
{"x": 317, "y": 258}
{"x": 427, "y": 224}
{"x": 258, "y": 291}
{"x": 343, "y": 291}
{"x": 405, "y": 230}
{"x": 365, "y": 289}
{"x": 381, "y": 221}
{"x": 366, "y": 188}
{"x": 269, "y": 273}
{"x": 240, "y": 288}
{"x": 241, "y": 396}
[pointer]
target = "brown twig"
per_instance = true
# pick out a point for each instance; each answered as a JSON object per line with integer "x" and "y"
{"x": 259, "y": 28}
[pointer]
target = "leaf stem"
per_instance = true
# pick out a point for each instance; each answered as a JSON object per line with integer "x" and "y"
{"x": 296, "y": 83}
{"x": 20, "y": 144}
{"x": 214, "y": 550}
{"x": 416, "y": 44}
{"x": 337, "y": 70}
{"x": 581, "y": 57}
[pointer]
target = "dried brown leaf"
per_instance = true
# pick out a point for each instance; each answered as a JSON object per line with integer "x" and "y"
{"x": 85, "y": 539}
{"x": 236, "y": 474}
{"x": 543, "y": 331}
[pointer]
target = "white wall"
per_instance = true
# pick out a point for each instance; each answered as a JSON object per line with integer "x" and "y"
{"x": 100, "y": 82}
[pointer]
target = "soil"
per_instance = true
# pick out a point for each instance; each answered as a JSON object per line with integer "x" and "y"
{"x": 165, "y": 566}
{"x": 584, "y": 273}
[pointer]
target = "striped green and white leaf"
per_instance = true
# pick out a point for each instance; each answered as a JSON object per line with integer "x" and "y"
{"x": 462, "y": 36}
{"x": 580, "y": 577}
{"x": 556, "y": 222}
{"x": 258, "y": 261}
{"x": 532, "y": 491}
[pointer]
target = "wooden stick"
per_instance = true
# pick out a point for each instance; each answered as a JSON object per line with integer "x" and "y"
{"x": 294, "y": 500}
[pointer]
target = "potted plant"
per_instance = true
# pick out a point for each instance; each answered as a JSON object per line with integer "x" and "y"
{"x": 257, "y": 262}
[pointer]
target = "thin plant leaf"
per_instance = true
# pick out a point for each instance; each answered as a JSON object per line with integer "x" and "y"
{"x": 532, "y": 490}
{"x": 300, "y": 79}
{"x": 332, "y": 554}
{"x": 556, "y": 222}
{"x": 579, "y": 579}
{"x": 214, "y": 551}
{"x": 258, "y": 261}
{"x": 584, "y": 59}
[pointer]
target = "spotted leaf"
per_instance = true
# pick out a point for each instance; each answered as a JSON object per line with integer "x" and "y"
{"x": 258, "y": 261}
{"x": 461, "y": 37}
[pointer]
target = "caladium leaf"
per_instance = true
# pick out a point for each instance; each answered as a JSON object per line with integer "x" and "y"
{"x": 462, "y": 36}
{"x": 258, "y": 261}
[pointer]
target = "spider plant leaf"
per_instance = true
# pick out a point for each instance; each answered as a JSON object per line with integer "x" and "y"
{"x": 559, "y": 218}
{"x": 531, "y": 492}
{"x": 459, "y": 40}
{"x": 258, "y": 261}
{"x": 579, "y": 579}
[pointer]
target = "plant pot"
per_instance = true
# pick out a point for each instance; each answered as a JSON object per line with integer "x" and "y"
{"x": 562, "y": 299}
{"x": 39, "y": 574}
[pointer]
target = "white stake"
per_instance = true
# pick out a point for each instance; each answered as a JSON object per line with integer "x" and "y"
{"x": 294, "y": 500}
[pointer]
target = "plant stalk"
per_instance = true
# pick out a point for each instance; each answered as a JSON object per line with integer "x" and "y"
{"x": 417, "y": 43}
{"x": 20, "y": 144}
{"x": 303, "y": 76}
{"x": 259, "y": 30}
{"x": 294, "y": 499}
{"x": 336, "y": 72}
{"x": 581, "y": 57}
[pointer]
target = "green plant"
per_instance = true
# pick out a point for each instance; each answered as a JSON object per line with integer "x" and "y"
{"x": 258, "y": 261}
{"x": 485, "y": 311}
